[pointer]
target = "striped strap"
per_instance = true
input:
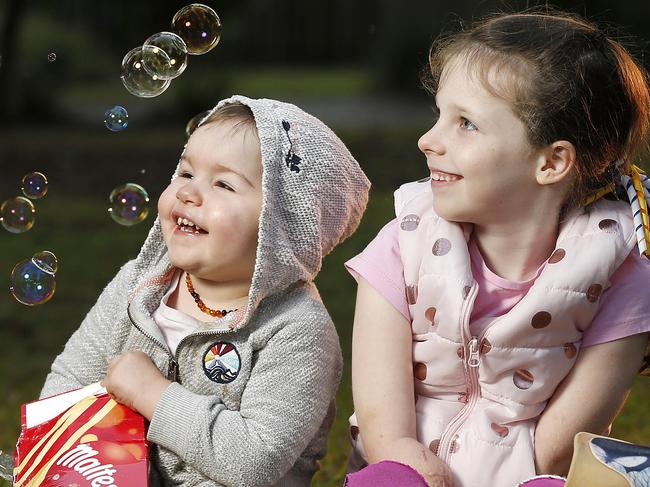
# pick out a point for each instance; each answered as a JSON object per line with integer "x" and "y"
{"x": 637, "y": 187}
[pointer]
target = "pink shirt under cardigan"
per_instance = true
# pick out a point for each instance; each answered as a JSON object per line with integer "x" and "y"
{"x": 624, "y": 308}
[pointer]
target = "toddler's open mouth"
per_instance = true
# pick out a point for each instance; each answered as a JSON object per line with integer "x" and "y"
{"x": 187, "y": 226}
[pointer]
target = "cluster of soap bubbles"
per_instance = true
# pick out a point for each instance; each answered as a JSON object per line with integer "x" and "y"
{"x": 147, "y": 70}
{"x": 33, "y": 280}
{"x": 17, "y": 215}
{"x": 129, "y": 204}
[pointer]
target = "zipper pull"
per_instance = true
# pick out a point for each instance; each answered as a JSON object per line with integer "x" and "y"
{"x": 173, "y": 371}
{"x": 473, "y": 352}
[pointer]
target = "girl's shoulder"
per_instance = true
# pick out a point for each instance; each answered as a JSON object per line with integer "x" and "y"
{"x": 380, "y": 264}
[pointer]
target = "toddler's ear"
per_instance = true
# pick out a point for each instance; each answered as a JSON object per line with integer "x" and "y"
{"x": 556, "y": 162}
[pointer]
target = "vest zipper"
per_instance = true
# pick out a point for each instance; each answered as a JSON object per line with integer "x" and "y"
{"x": 472, "y": 346}
{"x": 473, "y": 352}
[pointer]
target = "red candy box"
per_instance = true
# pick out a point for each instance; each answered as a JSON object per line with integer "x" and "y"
{"x": 82, "y": 438}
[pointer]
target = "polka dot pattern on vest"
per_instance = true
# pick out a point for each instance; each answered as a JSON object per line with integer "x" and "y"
{"x": 541, "y": 319}
{"x": 557, "y": 256}
{"x": 485, "y": 347}
{"x": 520, "y": 356}
{"x": 430, "y": 314}
{"x": 412, "y": 294}
{"x": 608, "y": 225}
{"x": 410, "y": 223}
{"x": 570, "y": 350}
{"x": 420, "y": 371}
{"x": 500, "y": 430}
{"x": 441, "y": 247}
{"x": 523, "y": 379}
{"x": 593, "y": 293}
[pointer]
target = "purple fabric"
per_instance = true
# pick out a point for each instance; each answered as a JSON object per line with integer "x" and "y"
{"x": 385, "y": 474}
{"x": 543, "y": 481}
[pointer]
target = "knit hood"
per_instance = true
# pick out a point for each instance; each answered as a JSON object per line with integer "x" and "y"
{"x": 313, "y": 196}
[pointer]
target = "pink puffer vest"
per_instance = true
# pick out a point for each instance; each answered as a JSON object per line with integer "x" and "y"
{"x": 478, "y": 397}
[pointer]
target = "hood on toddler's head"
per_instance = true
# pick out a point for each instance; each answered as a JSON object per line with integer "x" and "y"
{"x": 314, "y": 194}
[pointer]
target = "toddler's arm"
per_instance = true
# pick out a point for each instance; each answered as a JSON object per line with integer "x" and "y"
{"x": 587, "y": 400}
{"x": 383, "y": 388}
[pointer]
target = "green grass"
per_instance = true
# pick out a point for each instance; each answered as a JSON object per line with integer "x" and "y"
{"x": 91, "y": 247}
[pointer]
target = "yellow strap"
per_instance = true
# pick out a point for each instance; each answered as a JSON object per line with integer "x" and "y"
{"x": 596, "y": 195}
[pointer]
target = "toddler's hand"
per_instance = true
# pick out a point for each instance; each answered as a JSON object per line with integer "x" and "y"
{"x": 132, "y": 379}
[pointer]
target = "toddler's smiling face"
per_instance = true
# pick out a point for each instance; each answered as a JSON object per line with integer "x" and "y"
{"x": 210, "y": 212}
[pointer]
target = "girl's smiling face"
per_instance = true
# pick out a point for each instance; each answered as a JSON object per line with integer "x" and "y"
{"x": 210, "y": 212}
{"x": 481, "y": 161}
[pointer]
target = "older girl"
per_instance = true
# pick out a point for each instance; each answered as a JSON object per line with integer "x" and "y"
{"x": 508, "y": 293}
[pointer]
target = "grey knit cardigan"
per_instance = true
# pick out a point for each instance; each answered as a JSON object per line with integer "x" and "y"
{"x": 268, "y": 425}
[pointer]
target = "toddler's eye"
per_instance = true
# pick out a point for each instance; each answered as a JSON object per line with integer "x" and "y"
{"x": 467, "y": 125}
{"x": 221, "y": 184}
{"x": 184, "y": 174}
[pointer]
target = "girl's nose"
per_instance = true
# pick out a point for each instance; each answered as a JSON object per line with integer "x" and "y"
{"x": 189, "y": 193}
{"x": 430, "y": 142}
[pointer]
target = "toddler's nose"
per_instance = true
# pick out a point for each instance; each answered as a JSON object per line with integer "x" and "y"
{"x": 189, "y": 193}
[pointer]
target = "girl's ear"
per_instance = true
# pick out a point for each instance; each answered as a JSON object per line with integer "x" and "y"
{"x": 556, "y": 162}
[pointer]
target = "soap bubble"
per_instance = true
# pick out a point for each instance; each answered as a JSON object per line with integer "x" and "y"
{"x": 168, "y": 58}
{"x": 34, "y": 185}
{"x": 116, "y": 119}
{"x": 129, "y": 204}
{"x": 199, "y": 26}
{"x": 136, "y": 79}
{"x": 194, "y": 122}
{"x": 46, "y": 261}
{"x": 17, "y": 214}
{"x": 33, "y": 280}
{"x": 51, "y": 57}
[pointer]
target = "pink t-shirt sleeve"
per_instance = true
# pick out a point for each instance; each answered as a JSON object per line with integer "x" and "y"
{"x": 381, "y": 265}
{"x": 624, "y": 306}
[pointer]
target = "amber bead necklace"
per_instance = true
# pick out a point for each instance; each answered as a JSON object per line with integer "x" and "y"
{"x": 216, "y": 313}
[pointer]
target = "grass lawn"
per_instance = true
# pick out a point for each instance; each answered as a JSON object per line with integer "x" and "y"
{"x": 91, "y": 247}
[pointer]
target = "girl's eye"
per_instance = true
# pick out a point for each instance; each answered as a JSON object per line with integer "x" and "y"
{"x": 467, "y": 125}
{"x": 185, "y": 174}
{"x": 223, "y": 185}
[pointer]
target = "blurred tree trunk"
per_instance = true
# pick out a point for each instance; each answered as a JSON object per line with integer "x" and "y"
{"x": 9, "y": 32}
